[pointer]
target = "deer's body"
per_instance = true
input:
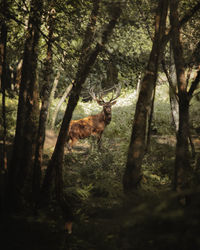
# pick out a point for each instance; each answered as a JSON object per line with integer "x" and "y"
{"x": 93, "y": 125}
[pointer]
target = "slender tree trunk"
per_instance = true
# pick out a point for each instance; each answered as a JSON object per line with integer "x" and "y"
{"x": 86, "y": 62}
{"x": 138, "y": 84}
{"x": 174, "y": 101}
{"x": 172, "y": 92}
{"x": 18, "y": 75}
{"x": 182, "y": 161}
{"x": 26, "y": 128}
{"x": 3, "y": 159}
{"x": 45, "y": 95}
{"x": 150, "y": 119}
{"x": 3, "y": 40}
{"x": 132, "y": 175}
{"x": 62, "y": 99}
{"x": 52, "y": 94}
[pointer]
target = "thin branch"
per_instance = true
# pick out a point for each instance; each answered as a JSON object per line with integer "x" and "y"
{"x": 190, "y": 14}
{"x": 185, "y": 19}
{"x": 169, "y": 79}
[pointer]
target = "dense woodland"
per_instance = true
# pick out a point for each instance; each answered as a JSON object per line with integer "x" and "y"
{"x": 73, "y": 176}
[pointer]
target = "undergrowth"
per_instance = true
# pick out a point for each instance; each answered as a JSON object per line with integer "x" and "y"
{"x": 105, "y": 218}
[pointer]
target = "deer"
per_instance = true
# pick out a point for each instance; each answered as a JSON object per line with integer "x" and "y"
{"x": 93, "y": 125}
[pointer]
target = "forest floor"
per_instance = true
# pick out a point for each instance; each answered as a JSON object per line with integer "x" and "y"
{"x": 150, "y": 219}
{"x": 51, "y": 138}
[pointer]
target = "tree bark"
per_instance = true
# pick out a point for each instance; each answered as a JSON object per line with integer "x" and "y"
{"x": 182, "y": 162}
{"x": 18, "y": 75}
{"x": 3, "y": 41}
{"x": 45, "y": 96}
{"x": 132, "y": 175}
{"x": 3, "y": 159}
{"x": 172, "y": 91}
{"x": 26, "y": 128}
{"x": 87, "y": 59}
{"x": 52, "y": 94}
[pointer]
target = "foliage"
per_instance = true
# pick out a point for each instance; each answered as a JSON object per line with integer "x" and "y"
{"x": 11, "y": 114}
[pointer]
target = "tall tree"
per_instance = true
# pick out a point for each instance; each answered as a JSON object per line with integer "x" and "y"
{"x": 87, "y": 59}
{"x": 137, "y": 145}
{"x": 3, "y": 44}
{"x": 182, "y": 161}
{"x": 45, "y": 97}
{"x": 26, "y": 128}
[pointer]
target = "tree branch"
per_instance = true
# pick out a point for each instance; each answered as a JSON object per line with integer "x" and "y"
{"x": 169, "y": 78}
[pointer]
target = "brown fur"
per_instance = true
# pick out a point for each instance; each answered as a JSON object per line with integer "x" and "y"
{"x": 92, "y": 125}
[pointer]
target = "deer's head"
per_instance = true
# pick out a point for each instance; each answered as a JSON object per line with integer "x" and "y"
{"x": 107, "y": 105}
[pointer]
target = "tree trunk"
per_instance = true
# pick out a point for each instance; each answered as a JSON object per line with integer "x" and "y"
{"x": 52, "y": 94}
{"x": 172, "y": 91}
{"x": 3, "y": 41}
{"x": 3, "y": 158}
{"x": 132, "y": 175}
{"x": 45, "y": 95}
{"x": 62, "y": 99}
{"x": 18, "y": 75}
{"x": 182, "y": 162}
{"x": 86, "y": 62}
{"x": 149, "y": 128}
{"x": 26, "y": 128}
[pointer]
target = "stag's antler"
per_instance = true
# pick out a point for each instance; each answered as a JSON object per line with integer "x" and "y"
{"x": 117, "y": 92}
{"x": 99, "y": 98}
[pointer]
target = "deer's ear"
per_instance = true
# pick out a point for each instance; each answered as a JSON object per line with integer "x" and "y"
{"x": 112, "y": 103}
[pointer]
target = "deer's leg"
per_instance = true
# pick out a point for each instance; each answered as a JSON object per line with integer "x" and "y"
{"x": 70, "y": 143}
{"x": 99, "y": 140}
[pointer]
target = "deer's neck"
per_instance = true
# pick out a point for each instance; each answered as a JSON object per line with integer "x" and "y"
{"x": 106, "y": 117}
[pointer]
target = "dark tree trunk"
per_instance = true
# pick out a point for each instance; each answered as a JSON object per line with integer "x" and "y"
{"x": 3, "y": 158}
{"x": 3, "y": 40}
{"x": 132, "y": 175}
{"x": 182, "y": 161}
{"x": 26, "y": 128}
{"x": 45, "y": 96}
{"x": 86, "y": 62}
